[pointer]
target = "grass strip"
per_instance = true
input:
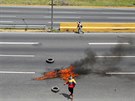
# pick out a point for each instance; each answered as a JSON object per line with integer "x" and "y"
{"x": 127, "y": 3}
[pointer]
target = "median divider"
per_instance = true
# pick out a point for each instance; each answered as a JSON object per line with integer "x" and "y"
{"x": 98, "y": 27}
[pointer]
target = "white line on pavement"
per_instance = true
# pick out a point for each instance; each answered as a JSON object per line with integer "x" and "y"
{"x": 8, "y": 11}
{"x": 6, "y": 21}
{"x": 7, "y": 16}
{"x": 1, "y": 55}
{"x": 14, "y": 72}
{"x": 114, "y": 56}
{"x": 94, "y": 17}
{"x": 120, "y": 73}
{"x": 18, "y": 43}
{"x": 125, "y": 43}
{"x": 67, "y": 17}
{"x": 122, "y": 17}
{"x": 111, "y": 13}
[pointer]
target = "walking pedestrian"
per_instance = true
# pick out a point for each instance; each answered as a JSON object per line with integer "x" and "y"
{"x": 71, "y": 84}
{"x": 79, "y": 27}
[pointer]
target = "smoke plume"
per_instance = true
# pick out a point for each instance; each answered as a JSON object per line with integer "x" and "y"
{"x": 85, "y": 66}
{"x": 99, "y": 66}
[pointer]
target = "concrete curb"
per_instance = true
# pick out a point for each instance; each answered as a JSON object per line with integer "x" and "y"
{"x": 98, "y": 27}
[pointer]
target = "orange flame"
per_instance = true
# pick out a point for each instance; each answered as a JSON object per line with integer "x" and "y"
{"x": 63, "y": 73}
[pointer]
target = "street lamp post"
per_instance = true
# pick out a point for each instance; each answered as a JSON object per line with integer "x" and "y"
{"x": 51, "y": 15}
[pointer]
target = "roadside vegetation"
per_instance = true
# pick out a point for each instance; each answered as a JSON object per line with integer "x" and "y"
{"x": 71, "y": 2}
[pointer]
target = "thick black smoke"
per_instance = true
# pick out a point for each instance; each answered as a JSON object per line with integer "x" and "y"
{"x": 85, "y": 66}
{"x": 91, "y": 64}
{"x": 109, "y": 64}
{"x": 99, "y": 66}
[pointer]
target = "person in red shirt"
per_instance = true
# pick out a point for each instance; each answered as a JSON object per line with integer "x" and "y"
{"x": 71, "y": 84}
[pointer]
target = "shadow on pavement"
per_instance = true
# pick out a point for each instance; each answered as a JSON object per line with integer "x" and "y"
{"x": 65, "y": 95}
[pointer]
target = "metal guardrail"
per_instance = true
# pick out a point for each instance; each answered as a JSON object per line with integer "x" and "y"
{"x": 24, "y": 26}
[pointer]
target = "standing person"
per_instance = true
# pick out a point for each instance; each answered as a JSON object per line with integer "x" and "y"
{"x": 71, "y": 84}
{"x": 79, "y": 27}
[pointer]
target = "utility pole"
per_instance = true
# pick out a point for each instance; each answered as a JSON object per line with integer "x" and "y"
{"x": 51, "y": 15}
{"x": 25, "y": 24}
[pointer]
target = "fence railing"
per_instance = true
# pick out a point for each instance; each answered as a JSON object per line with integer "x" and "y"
{"x": 43, "y": 27}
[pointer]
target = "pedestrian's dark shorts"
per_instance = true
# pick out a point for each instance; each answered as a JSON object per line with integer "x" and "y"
{"x": 71, "y": 90}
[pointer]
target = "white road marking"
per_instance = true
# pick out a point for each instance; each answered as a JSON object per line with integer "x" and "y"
{"x": 93, "y": 17}
{"x": 107, "y": 17}
{"x": 122, "y": 17}
{"x": 14, "y": 72}
{"x": 6, "y": 21}
{"x": 109, "y": 43}
{"x": 67, "y": 17}
{"x": 7, "y": 16}
{"x": 8, "y": 11}
{"x": 118, "y": 13}
{"x": 2, "y": 55}
{"x": 111, "y": 13}
{"x": 114, "y": 56}
{"x": 120, "y": 73}
{"x": 18, "y": 43}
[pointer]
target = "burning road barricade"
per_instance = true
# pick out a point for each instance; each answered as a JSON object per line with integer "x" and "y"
{"x": 90, "y": 65}
{"x": 59, "y": 73}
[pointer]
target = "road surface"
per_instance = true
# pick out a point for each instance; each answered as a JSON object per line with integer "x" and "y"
{"x": 27, "y": 52}
{"x": 42, "y": 15}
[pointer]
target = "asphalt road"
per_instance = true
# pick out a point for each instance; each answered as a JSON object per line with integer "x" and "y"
{"x": 30, "y": 50}
{"x": 42, "y": 15}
